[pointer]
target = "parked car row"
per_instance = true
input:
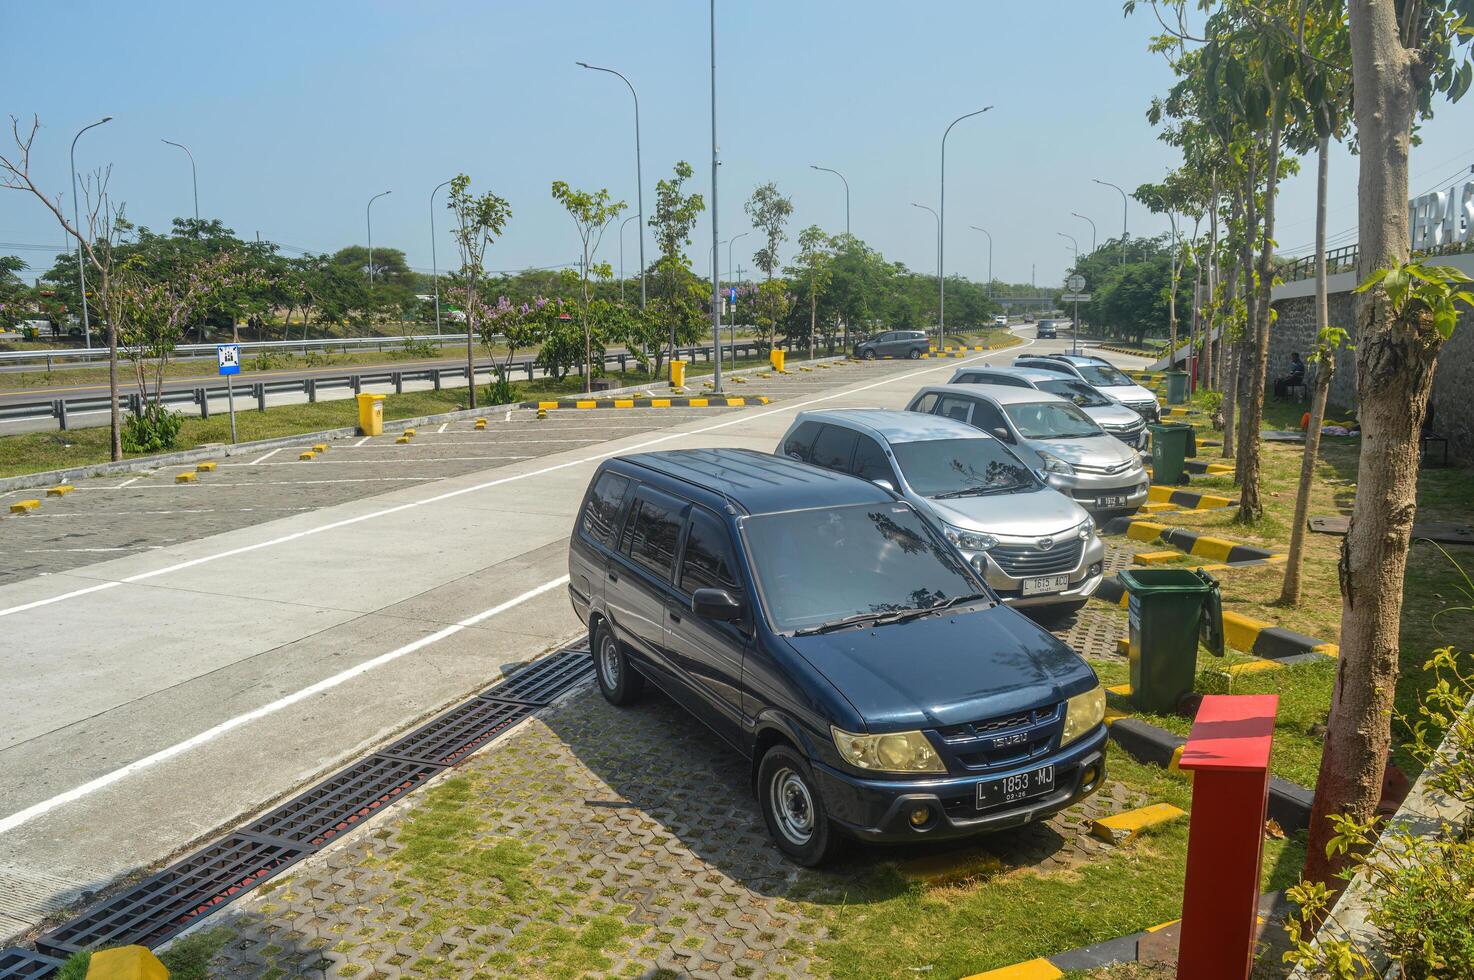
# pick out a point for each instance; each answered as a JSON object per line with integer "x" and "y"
{"x": 840, "y": 610}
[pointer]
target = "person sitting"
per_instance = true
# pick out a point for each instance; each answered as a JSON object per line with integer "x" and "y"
{"x": 1294, "y": 379}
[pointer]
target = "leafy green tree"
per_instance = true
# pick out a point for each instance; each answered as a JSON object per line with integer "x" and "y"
{"x": 592, "y": 212}
{"x": 674, "y": 216}
{"x": 769, "y": 211}
{"x": 14, "y": 293}
{"x": 812, "y": 271}
{"x": 479, "y": 221}
{"x": 770, "y": 305}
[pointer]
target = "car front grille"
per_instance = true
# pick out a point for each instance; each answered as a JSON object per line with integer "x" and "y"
{"x": 1004, "y": 740}
{"x": 1021, "y": 561}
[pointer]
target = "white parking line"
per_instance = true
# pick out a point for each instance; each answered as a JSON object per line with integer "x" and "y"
{"x": 735, "y": 419}
{"x": 268, "y": 483}
{"x": 129, "y": 483}
{"x": 442, "y": 426}
{"x": 362, "y": 441}
{"x": 325, "y": 460}
{"x": 210, "y": 734}
{"x": 263, "y": 458}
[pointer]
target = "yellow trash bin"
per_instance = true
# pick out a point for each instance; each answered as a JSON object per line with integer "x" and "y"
{"x": 776, "y": 356}
{"x": 678, "y": 374}
{"x": 371, "y": 414}
{"x": 126, "y": 963}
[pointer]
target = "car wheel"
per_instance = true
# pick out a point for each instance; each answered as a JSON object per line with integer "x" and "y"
{"x": 868, "y": 355}
{"x": 620, "y": 683}
{"x": 915, "y": 353}
{"x": 793, "y": 809}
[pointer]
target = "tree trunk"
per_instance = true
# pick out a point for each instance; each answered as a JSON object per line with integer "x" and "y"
{"x": 1246, "y": 265}
{"x": 1324, "y": 367}
{"x": 470, "y": 343}
{"x": 813, "y": 314}
{"x": 1394, "y": 371}
{"x": 1251, "y": 508}
{"x": 114, "y": 421}
{"x": 1212, "y": 277}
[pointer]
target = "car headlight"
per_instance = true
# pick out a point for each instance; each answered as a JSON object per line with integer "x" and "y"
{"x": 1085, "y": 529}
{"x": 1082, "y": 713}
{"x": 969, "y": 540}
{"x": 890, "y": 752}
{"x": 1053, "y": 464}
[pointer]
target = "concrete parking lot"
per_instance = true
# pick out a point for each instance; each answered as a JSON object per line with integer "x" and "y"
{"x": 257, "y": 628}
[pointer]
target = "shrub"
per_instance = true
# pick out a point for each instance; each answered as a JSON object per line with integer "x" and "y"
{"x": 500, "y": 392}
{"x": 152, "y": 430}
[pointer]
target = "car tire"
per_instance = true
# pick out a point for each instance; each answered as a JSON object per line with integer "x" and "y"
{"x": 619, "y": 682}
{"x": 792, "y": 808}
{"x": 915, "y": 353}
{"x": 868, "y": 355}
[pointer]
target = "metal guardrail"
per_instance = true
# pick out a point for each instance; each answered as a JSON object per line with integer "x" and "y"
{"x": 1344, "y": 260}
{"x": 198, "y": 397}
{"x": 343, "y": 344}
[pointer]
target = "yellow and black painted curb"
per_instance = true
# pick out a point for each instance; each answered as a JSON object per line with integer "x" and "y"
{"x": 1189, "y": 541}
{"x": 1188, "y": 499}
{"x": 1126, "y": 350}
{"x": 681, "y": 401}
{"x": 1203, "y": 467}
{"x": 962, "y": 349}
{"x": 1119, "y": 950}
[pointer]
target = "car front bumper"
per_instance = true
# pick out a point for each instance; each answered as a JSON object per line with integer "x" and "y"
{"x": 879, "y": 810}
{"x": 1010, "y": 588}
{"x": 1087, "y": 489}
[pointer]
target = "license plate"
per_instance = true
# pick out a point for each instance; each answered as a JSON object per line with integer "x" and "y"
{"x": 1113, "y": 501}
{"x": 1011, "y": 789}
{"x": 1045, "y": 585}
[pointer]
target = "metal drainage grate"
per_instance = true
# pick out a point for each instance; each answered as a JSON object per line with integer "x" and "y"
{"x": 544, "y": 681}
{"x": 338, "y": 803}
{"x": 175, "y": 898}
{"x": 171, "y": 901}
{"x": 16, "y": 963}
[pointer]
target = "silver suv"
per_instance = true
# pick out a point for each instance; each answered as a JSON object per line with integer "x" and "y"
{"x": 1034, "y": 546}
{"x": 1120, "y": 421}
{"x": 1099, "y": 374}
{"x": 1058, "y": 440}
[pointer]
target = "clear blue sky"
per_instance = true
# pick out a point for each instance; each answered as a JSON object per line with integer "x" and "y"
{"x": 298, "y": 112}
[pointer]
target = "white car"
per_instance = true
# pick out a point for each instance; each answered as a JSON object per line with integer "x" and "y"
{"x": 1000, "y": 320}
{"x": 1100, "y": 375}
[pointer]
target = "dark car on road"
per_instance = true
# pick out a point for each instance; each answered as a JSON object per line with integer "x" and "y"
{"x": 819, "y": 624}
{"x": 1046, "y": 330}
{"x": 893, "y": 343}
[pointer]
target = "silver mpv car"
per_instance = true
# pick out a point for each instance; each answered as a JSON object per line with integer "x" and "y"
{"x": 1054, "y": 437}
{"x": 1120, "y": 421}
{"x": 1034, "y": 546}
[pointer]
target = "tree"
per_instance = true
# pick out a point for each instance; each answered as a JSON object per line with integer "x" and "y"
{"x": 770, "y": 305}
{"x": 591, "y": 214}
{"x": 1402, "y": 54}
{"x": 478, "y": 223}
{"x": 769, "y": 211}
{"x": 813, "y": 272}
{"x": 13, "y": 289}
{"x": 674, "y": 216}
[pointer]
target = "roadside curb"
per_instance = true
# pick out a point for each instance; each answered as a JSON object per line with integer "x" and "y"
{"x": 679, "y": 401}
{"x": 1188, "y": 499}
{"x": 1189, "y": 541}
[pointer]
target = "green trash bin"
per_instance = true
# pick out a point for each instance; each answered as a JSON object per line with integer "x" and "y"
{"x": 1176, "y": 387}
{"x": 1169, "y": 610}
{"x": 1172, "y": 444}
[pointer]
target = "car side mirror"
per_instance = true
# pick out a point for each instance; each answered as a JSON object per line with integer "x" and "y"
{"x": 884, "y": 484}
{"x": 1002, "y": 433}
{"x": 717, "y": 604}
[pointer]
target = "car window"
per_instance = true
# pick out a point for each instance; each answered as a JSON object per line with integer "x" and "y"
{"x": 797, "y": 445}
{"x": 954, "y": 407}
{"x": 1050, "y": 366}
{"x": 1006, "y": 380}
{"x": 986, "y": 416}
{"x": 707, "y": 562}
{"x": 1051, "y": 420}
{"x": 925, "y": 403}
{"x": 962, "y": 468}
{"x": 652, "y": 533}
{"x": 606, "y": 505}
{"x": 870, "y": 461}
{"x": 834, "y": 447}
{"x": 819, "y": 566}
{"x": 1076, "y": 391}
{"x": 1103, "y": 374}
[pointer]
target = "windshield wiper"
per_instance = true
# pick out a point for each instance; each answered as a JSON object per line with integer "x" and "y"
{"x": 916, "y": 612}
{"x": 974, "y": 492}
{"x": 839, "y": 624}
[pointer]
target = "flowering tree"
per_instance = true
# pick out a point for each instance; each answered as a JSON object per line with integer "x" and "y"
{"x": 478, "y": 222}
{"x": 591, "y": 214}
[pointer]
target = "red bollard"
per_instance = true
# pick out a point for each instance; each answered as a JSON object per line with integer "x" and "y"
{"x": 1228, "y": 752}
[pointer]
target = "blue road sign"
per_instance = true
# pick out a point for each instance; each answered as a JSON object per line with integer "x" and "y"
{"x": 229, "y": 358}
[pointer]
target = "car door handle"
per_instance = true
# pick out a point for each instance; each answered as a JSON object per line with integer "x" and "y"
{"x": 675, "y": 617}
{"x": 613, "y": 576}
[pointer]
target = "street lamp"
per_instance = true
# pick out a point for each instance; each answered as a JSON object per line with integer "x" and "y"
{"x": 434, "y": 265}
{"x": 368, "y": 214}
{"x": 1074, "y": 324}
{"x": 77, "y": 224}
{"x": 733, "y": 331}
{"x": 846, "y": 193}
{"x": 192, "y": 171}
{"x": 1074, "y": 243}
{"x": 1106, "y": 183}
{"x": 941, "y": 228}
{"x": 716, "y": 285}
{"x": 990, "y": 257}
{"x": 1092, "y": 228}
{"x": 621, "y": 259}
{"x": 939, "y": 257}
{"x": 639, "y": 179}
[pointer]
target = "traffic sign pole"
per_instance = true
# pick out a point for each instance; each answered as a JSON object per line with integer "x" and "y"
{"x": 228, "y": 356}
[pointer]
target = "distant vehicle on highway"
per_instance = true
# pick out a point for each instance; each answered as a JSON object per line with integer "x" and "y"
{"x": 1046, "y": 330}
{"x": 1028, "y": 318}
{"x": 824, "y": 627}
{"x": 1000, "y": 320}
{"x": 893, "y": 343}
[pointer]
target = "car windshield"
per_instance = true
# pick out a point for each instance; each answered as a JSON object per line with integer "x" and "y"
{"x": 1051, "y": 420}
{"x": 961, "y": 468}
{"x": 1102, "y": 375}
{"x": 859, "y": 562}
{"x": 1076, "y": 391}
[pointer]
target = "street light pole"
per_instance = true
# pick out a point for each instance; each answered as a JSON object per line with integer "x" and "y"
{"x": 639, "y": 178}
{"x": 434, "y": 265}
{"x": 1074, "y": 324}
{"x": 836, "y": 173}
{"x": 77, "y": 223}
{"x": 990, "y": 257}
{"x": 1092, "y": 228}
{"x": 194, "y": 176}
{"x": 941, "y": 230}
{"x": 368, "y": 214}
{"x": 1124, "y": 200}
{"x": 732, "y": 333}
{"x": 621, "y": 260}
{"x": 939, "y": 256}
{"x": 1073, "y": 243}
{"x": 716, "y": 284}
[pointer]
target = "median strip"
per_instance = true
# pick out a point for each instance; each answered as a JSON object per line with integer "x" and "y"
{"x": 687, "y": 401}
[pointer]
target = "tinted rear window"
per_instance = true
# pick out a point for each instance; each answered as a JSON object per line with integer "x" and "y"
{"x": 651, "y": 537}
{"x": 606, "y": 504}
{"x": 797, "y": 445}
{"x": 834, "y": 447}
